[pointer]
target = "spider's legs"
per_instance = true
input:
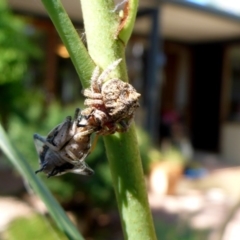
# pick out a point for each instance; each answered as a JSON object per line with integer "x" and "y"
{"x": 107, "y": 71}
{"x": 91, "y": 102}
{"x": 90, "y": 94}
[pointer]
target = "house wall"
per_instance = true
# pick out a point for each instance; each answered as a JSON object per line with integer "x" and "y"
{"x": 175, "y": 88}
{"x": 201, "y": 98}
{"x": 206, "y": 92}
{"x": 230, "y": 103}
{"x": 230, "y": 139}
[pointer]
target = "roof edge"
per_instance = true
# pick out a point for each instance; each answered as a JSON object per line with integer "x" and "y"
{"x": 207, "y": 9}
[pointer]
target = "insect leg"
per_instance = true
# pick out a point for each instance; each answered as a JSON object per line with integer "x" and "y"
{"x": 76, "y": 117}
{"x": 87, "y": 170}
{"x": 39, "y": 170}
{"x": 83, "y": 169}
{"x": 77, "y": 114}
{"x": 43, "y": 140}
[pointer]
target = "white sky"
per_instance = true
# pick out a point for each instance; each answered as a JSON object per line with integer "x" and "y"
{"x": 226, "y": 5}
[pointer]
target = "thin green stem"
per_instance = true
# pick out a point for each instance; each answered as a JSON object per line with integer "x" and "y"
{"x": 128, "y": 20}
{"x": 101, "y": 25}
{"x": 77, "y": 51}
{"x": 52, "y": 205}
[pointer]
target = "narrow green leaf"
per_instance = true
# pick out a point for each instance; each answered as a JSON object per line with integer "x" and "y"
{"x": 28, "y": 174}
{"x": 78, "y": 52}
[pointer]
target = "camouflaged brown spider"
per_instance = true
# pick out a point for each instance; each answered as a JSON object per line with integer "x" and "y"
{"x": 111, "y": 104}
{"x": 65, "y": 147}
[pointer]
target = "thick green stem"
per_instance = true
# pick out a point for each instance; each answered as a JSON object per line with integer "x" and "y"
{"x": 101, "y": 25}
{"x": 106, "y": 42}
{"x": 129, "y": 184}
{"x": 78, "y": 52}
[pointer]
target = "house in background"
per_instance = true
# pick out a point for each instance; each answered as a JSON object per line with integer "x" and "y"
{"x": 184, "y": 55}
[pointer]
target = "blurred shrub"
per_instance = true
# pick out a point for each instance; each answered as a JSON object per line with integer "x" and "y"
{"x": 172, "y": 154}
{"x": 32, "y": 227}
{"x": 17, "y": 47}
{"x": 180, "y": 231}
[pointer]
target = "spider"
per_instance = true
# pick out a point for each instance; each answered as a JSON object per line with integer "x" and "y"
{"x": 65, "y": 147}
{"x": 110, "y": 104}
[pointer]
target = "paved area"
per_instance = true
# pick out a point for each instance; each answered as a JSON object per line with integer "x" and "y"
{"x": 202, "y": 204}
{"x": 203, "y": 209}
{"x": 12, "y": 208}
{"x": 200, "y": 210}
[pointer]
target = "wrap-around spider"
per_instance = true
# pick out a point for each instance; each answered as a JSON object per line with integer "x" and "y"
{"x": 111, "y": 103}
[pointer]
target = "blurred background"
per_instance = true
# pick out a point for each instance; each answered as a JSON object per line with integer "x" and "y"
{"x": 184, "y": 59}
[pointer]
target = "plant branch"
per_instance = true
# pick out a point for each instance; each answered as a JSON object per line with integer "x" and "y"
{"x": 101, "y": 25}
{"x": 128, "y": 20}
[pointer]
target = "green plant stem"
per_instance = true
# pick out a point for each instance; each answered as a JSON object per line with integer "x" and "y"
{"x": 129, "y": 20}
{"x": 52, "y": 205}
{"x": 129, "y": 185}
{"x": 77, "y": 51}
{"x": 101, "y": 25}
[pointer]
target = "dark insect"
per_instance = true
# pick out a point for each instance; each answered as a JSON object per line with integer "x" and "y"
{"x": 65, "y": 147}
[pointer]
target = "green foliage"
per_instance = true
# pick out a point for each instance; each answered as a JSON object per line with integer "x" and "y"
{"x": 174, "y": 155}
{"x": 24, "y": 168}
{"x": 150, "y": 154}
{"x": 169, "y": 231}
{"x": 15, "y": 46}
{"x": 32, "y": 227}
